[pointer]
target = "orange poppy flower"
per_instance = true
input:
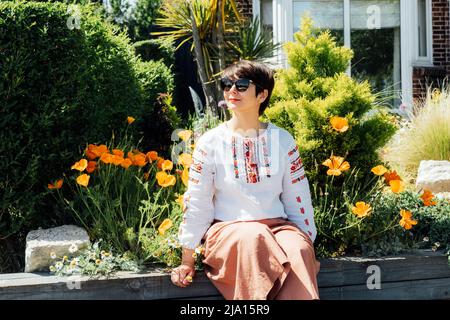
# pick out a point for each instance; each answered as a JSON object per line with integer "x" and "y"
{"x": 139, "y": 160}
{"x": 116, "y": 160}
{"x": 91, "y": 166}
{"x": 339, "y": 124}
{"x": 126, "y": 163}
{"x": 83, "y": 180}
{"x": 180, "y": 201}
{"x": 152, "y": 156}
{"x": 170, "y": 181}
{"x": 336, "y": 165}
{"x": 166, "y": 165}
{"x": 407, "y": 222}
{"x": 80, "y": 165}
{"x": 90, "y": 154}
{"x": 159, "y": 163}
{"x": 379, "y": 170}
{"x": 161, "y": 176}
{"x": 98, "y": 150}
{"x": 427, "y": 198}
{"x": 397, "y": 186}
{"x": 134, "y": 152}
{"x": 164, "y": 226}
{"x": 185, "y": 176}
{"x": 391, "y": 175}
{"x": 165, "y": 180}
{"x": 130, "y": 120}
{"x": 118, "y": 152}
{"x": 185, "y": 135}
{"x": 185, "y": 159}
{"x": 106, "y": 158}
{"x": 57, "y": 185}
{"x": 361, "y": 209}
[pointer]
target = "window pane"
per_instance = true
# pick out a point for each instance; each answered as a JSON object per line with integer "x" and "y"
{"x": 267, "y": 14}
{"x": 325, "y": 15}
{"x": 422, "y": 25}
{"x": 375, "y": 40}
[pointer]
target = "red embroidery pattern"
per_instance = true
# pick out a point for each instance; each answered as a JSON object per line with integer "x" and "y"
{"x": 292, "y": 151}
{"x": 307, "y": 222}
{"x": 195, "y": 181}
{"x": 299, "y": 199}
{"x": 198, "y": 160}
{"x": 296, "y": 165}
{"x": 235, "y": 164}
{"x": 310, "y": 234}
{"x": 302, "y": 210}
{"x": 266, "y": 157}
{"x": 196, "y": 165}
{"x": 251, "y": 165}
{"x": 298, "y": 179}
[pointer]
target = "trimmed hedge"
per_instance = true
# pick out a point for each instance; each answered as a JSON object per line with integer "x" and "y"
{"x": 156, "y": 49}
{"x": 61, "y": 89}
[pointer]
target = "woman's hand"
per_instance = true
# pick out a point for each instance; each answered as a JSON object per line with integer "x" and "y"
{"x": 183, "y": 275}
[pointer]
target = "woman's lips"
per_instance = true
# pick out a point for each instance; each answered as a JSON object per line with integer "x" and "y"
{"x": 233, "y": 100}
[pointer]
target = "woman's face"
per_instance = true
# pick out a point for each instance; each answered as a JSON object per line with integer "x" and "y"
{"x": 244, "y": 101}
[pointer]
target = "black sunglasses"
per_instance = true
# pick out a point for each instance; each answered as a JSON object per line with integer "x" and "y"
{"x": 241, "y": 84}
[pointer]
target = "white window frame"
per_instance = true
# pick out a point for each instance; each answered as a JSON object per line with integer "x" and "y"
{"x": 283, "y": 32}
{"x": 427, "y": 60}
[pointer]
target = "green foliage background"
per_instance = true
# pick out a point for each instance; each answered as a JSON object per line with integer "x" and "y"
{"x": 60, "y": 89}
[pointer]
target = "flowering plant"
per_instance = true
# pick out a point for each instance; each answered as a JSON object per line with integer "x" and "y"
{"x": 92, "y": 261}
{"x": 126, "y": 197}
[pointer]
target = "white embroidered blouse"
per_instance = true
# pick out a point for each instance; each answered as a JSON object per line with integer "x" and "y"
{"x": 243, "y": 179}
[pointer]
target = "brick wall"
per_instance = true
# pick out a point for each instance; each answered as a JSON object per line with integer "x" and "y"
{"x": 426, "y": 76}
{"x": 245, "y": 7}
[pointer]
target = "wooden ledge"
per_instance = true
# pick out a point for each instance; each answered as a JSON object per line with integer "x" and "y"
{"x": 422, "y": 274}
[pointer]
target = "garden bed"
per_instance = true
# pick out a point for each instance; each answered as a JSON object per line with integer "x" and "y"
{"x": 422, "y": 274}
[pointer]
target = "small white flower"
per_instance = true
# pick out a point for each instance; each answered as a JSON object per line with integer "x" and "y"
{"x": 52, "y": 255}
{"x": 58, "y": 265}
{"x": 73, "y": 248}
{"x": 426, "y": 239}
{"x": 326, "y": 193}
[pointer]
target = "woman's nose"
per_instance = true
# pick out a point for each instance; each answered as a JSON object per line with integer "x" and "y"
{"x": 233, "y": 88}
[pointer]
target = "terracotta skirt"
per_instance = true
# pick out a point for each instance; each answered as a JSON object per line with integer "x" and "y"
{"x": 270, "y": 259}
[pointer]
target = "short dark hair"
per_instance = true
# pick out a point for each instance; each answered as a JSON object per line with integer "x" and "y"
{"x": 259, "y": 73}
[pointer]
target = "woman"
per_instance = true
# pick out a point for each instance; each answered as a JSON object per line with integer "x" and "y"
{"x": 248, "y": 199}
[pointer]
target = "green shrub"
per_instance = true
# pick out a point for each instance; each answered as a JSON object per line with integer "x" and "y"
{"x": 314, "y": 89}
{"x": 434, "y": 223}
{"x": 156, "y": 49}
{"x": 61, "y": 88}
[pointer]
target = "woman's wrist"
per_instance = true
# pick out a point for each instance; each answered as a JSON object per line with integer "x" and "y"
{"x": 187, "y": 258}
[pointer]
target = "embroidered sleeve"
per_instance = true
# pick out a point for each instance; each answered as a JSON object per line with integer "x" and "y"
{"x": 296, "y": 195}
{"x": 198, "y": 209}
